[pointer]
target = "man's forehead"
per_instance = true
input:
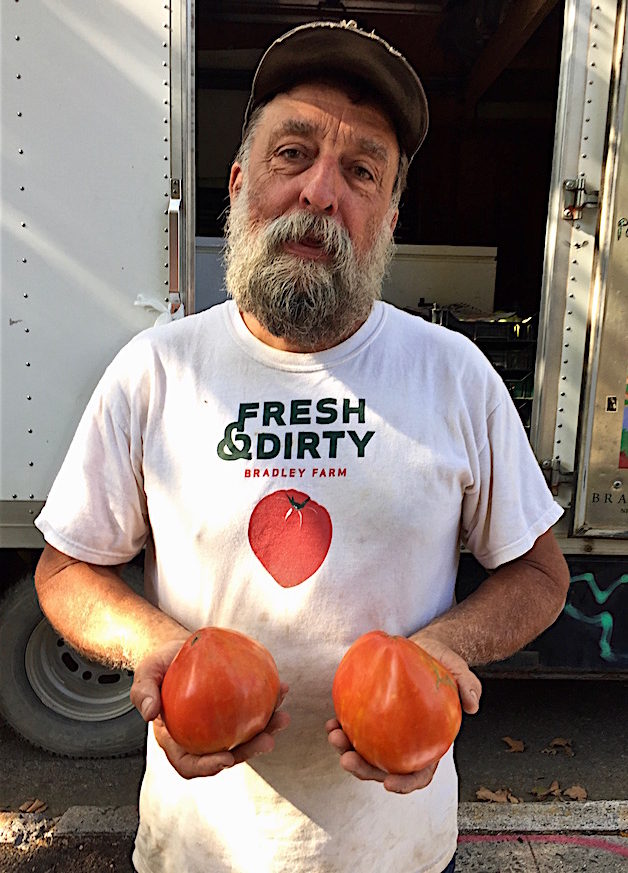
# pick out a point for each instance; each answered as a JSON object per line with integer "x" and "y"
{"x": 309, "y": 109}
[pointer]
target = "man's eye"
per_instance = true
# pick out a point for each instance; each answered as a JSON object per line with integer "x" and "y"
{"x": 290, "y": 154}
{"x": 363, "y": 173}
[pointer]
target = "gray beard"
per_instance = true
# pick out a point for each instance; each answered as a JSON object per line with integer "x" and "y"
{"x": 311, "y": 304}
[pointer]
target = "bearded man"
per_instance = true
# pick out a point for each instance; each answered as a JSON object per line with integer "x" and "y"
{"x": 307, "y": 389}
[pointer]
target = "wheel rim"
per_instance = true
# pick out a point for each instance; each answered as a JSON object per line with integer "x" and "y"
{"x": 69, "y": 684}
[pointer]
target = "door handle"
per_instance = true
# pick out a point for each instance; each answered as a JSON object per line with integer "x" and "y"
{"x": 175, "y": 217}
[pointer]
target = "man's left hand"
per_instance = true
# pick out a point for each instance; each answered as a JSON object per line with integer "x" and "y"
{"x": 470, "y": 690}
{"x": 398, "y": 783}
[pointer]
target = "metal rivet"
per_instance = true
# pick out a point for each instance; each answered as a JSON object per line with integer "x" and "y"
{"x": 557, "y": 442}
{"x": 570, "y": 312}
{"x": 19, "y": 115}
{"x": 20, "y": 151}
{"x": 24, "y": 261}
{"x": 562, "y": 393}
{"x": 27, "y": 330}
{"x": 560, "y": 425}
{"x": 31, "y": 496}
{"x": 15, "y": 496}
{"x": 165, "y": 102}
{"x": 566, "y": 345}
{"x": 165, "y": 121}
{"x": 28, "y": 397}
{"x": 584, "y": 156}
{"x": 19, "y": 76}
{"x": 23, "y": 223}
{"x": 165, "y": 175}
{"x": 30, "y": 430}
{"x": 564, "y": 378}
{"x": 166, "y": 248}
{"x": 568, "y": 328}
{"x": 31, "y": 512}
{"x": 592, "y": 63}
{"x": 25, "y": 296}
{"x": 28, "y": 363}
{"x": 31, "y": 464}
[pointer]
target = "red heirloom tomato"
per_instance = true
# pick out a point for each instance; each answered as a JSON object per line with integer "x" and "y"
{"x": 220, "y": 691}
{"x": 398, "y": 706}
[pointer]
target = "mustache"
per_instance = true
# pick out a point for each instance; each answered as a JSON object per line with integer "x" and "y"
{"x": 303, "y": 226}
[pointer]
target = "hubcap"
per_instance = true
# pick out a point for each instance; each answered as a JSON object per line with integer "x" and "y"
{"x": 69, "y": 684}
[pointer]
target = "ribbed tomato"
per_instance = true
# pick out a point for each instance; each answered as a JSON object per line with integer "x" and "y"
{"x": 219, "y": 691}
{"x": 399, "y": 707}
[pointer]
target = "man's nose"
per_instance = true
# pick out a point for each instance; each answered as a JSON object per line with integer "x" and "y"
{"x": 321, "y": 187}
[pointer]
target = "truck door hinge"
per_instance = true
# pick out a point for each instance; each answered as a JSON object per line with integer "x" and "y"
{"x": 555, "y": 476}
{"x": 576, "y": 198}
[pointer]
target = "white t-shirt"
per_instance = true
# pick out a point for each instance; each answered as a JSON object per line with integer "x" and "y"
{"x": 303, "y": 499}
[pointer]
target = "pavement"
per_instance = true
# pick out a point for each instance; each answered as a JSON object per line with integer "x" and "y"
{"x": 525, "y": 837}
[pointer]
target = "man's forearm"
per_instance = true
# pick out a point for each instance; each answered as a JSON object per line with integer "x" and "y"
{"x": 98, "y": 613}
{"x": 509, "y": 609}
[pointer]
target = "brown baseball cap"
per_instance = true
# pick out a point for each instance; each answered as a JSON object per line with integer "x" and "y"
{"x": 332, "y": 48}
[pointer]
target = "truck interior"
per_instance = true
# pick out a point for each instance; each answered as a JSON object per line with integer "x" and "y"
{"x": 490, "y": 69}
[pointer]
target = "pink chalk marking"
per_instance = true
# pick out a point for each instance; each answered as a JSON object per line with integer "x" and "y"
{"x": 560, "y": 839}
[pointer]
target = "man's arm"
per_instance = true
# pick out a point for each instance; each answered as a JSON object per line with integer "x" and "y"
{"x": 509, "y": 609}
{"x": 105, "y": 620}
{"x": 98, "y": 613}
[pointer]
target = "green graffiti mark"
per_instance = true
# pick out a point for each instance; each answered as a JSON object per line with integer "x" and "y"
{"x": 600, "y": 596}
{"x": 602, "y": 620}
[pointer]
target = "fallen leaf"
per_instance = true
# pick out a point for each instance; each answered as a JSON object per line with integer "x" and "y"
{"x": 514, "y": 745}
{"x": 502, "y": 795}
{"x": 542, "y": 793}
{"x": 559, "y": 744}
{"x": 576, "y": 792}
{"x": 33, "y": 805}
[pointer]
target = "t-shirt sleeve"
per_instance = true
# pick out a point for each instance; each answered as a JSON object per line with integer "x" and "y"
{"x": 509, "y": 504}
{"x": 96, "y": 510}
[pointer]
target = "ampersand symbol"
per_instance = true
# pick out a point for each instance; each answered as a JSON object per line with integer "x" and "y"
{"x": 228, "y": 450}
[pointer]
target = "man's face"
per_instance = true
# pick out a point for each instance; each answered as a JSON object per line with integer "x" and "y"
{"x": 311, "y": 215}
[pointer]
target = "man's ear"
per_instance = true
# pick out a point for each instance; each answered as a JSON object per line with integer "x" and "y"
{"x": 236, "y": 180}
{"x": 393, "y": 220}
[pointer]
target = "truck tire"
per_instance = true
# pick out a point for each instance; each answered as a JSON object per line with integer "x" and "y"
{"x": 55, "y": 698}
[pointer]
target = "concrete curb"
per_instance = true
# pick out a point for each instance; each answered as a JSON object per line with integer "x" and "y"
{"x": 589, "y": 817}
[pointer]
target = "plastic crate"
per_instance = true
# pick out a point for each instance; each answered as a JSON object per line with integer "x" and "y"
{"x": 520, "y": 387}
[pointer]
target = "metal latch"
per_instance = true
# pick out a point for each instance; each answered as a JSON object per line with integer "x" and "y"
{"x": 555, "y": 475}
{"x": 576, "y": 198}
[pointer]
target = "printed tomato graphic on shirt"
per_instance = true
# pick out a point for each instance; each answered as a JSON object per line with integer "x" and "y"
{"x": 290, "y": 534}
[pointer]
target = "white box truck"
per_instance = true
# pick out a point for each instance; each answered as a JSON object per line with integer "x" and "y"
{"x": 119, "y": 121}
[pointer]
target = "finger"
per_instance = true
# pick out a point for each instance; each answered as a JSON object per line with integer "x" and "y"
{"x": 279, "y": 722}
{"x": 361, "y": 769}
{"x": 263, "y": 742}
{"x": 283, "y": 690}
{"x": 145, "y": 697}
{"x": 406, "y": 783}
{"x": 331, "y": 725}
{"x": 187, "y": 765}
{"x": 470, "y": 689}
{"x": 339, "y": 740}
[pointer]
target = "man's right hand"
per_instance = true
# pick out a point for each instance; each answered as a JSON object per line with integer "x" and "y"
{"x": 146, "y": 697}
